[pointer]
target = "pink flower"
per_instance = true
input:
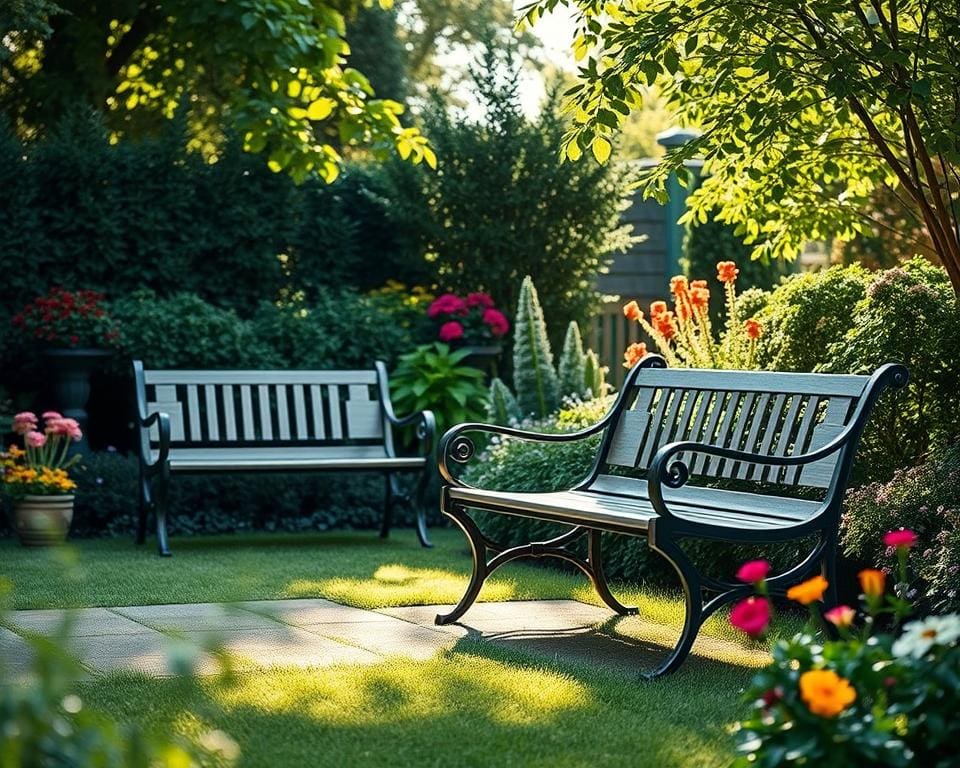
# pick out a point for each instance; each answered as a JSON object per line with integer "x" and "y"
{"x": 751, "y": 616}
{"x": 448, "y": 304}
{"x": 841, "y": 616}
{"x": 480, "y": 299}
{"x": 499, "y": 325}
{"x": 67, "y": 427}
{"x": 34, "y": 439}
{"x": 52, "y": 415}
{"x": 902, "y": 538}
{"x": 753, "y": 571}
{"x": 24, "y": 422}
{"x": 451, "y": 331}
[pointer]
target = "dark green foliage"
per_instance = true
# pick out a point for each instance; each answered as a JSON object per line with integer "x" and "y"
{"x": 504, "y": 205}
{"x": 807, "y": 314}
{"x": 502, "y": 407}
{"x": 572, "y": 368}
{"x": 434, "y": 378}
{"x": 534, "y": 379}
{"x": 925, "y": 499}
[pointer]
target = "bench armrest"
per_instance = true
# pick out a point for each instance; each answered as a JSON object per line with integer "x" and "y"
{"x": 425, "y": 420}
{"x": 162, "y": 421}
{"x": 665, "y": 470}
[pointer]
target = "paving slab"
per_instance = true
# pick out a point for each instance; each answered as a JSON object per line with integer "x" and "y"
{"x": 197, "y": 616}
{"x": 282, "y": 646}
{"x": 388, "y": 637}
{"x": 16, "y": 655}
{"x": 308, "y": 611}
{"x": 152, "y": 654}
{"x": 85, "y": 622}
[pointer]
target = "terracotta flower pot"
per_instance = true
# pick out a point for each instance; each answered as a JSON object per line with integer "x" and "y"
{"x": 42, "y": 521}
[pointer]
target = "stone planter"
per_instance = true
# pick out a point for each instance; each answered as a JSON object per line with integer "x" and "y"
{"x": 70, "y": 371}
{"x": 42, "y": 521}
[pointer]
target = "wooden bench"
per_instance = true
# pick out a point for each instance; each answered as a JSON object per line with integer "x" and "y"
{"x": 272, "y": 421}
{"x": 781, "y": 431}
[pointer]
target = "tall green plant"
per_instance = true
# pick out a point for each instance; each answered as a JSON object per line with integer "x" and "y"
{"x": 572, "y": 363}
{"x": 538, "y": 390}
{"x": 502, "y": 407}
{"x": 594, "y": 375}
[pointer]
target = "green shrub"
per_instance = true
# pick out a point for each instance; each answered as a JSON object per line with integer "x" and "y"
{"x": 925, "y": 499}
{"x": 432, "y": 377}
{"x": 502, "y": 407}
{"x": 534, "y": 378}
{"x": 807, "y": 314}
{"x": 910, "y": 315}
{"x": 184, "y": 331}
{"x": 572, "y": 368}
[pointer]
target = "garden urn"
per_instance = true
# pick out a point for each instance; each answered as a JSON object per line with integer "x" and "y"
{"x": 42, "y": 521}
{"x": 70, "y": 371}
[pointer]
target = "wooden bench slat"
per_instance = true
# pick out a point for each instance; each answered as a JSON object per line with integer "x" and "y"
{"x": 268, "y": 378}
{"x": 701, "y": 461}
{"x": 820, "y": 473}
{"x": 333, "y": 401}
{"x": 300, "y": 412}
{"x": 229, "y": 412}
{"x": 266, "y": 417}
{"x": 316, "y": 407}
{"x": 772, "y": 382}
{"x": 210, "y": 406}
{"x": 771, "y": 424}
{"x": 193, "y": 408}
{"x": 283, "y": 415}
{"x": 246, "y": 399}
{"x": 792, "y": 474}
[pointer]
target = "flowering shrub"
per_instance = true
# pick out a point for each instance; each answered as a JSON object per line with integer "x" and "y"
{"x": 40, "y": 467}
{"x": 867, "y": 698}
{"x": 684, "y": 335}
{"x": 65, "y": 319}
{"x": 473, "y": 320}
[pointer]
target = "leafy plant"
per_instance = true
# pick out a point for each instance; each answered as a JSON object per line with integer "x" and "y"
{"x": 534, "y": 378}
{"x": 41, "y": 466}
{"x": 594, "y": 375}
{"x": 67, "y": 319}
{"x": 502, "y": 407}
{"x": 571, "y": 372}
{"x": 433, "y": 377}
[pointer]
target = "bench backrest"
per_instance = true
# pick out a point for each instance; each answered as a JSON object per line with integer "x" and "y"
{"x": 247, "y": 409}
{"x": 777, "y": 414}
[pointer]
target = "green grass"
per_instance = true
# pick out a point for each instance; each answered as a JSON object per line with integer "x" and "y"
{"x": 358, "y": 569}
{"x": 473, "y": 706}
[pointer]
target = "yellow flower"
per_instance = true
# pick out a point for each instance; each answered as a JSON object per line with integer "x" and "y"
{"x": 825, "y": 692}
{"x": 808, "y": 591}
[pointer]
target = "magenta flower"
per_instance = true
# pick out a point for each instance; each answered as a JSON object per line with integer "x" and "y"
{"x": 480, "y": 299}
{"x": 841, "y": 616}
{"x": 52, "y": 415}
{"x": 498, "y": 323}
{"x": 447, "y": 304}
{"x": 451, "y": 331}
{"x": 24, "y": 422}
{"x": 902, "y": 538}
{"x": 751, "y": 616}
{"x": 754, "y": 571}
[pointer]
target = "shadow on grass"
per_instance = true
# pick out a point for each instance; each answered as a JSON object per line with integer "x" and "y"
{"x": 476, "y": 705}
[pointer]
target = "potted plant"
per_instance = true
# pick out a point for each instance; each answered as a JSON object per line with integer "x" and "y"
{"x": 473, "y": 324}
{"x": 37, "y": 478}
{"x": 76, "y": 334}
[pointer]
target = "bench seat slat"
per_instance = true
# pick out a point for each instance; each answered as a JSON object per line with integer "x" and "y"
{"x": 259, "y": 377}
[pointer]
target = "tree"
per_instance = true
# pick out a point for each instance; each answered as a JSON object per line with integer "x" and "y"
{"x": 273, "y": 71}
{"x": 806, "y": 107}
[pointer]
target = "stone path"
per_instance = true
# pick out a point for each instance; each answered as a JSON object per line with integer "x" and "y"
{"x": 154, "y": 640}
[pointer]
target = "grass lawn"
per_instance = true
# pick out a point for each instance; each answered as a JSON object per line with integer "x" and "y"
{"x": 473, "y": 706}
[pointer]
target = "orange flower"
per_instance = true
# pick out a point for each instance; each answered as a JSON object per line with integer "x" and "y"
{"x": 635, "y": 352}
{"x": 632, "y": 311}
{"x": 825, "y": 692}
{"x": 872, "y": 582}
{"x": 808, "y": 591}
{"x": 727, "y": 271}
{"x": 753, "y": 329}
{"x": 678, "y": 285}
{"x": 699, "y": 295}
{"x": 683, "y": 310}
{"x": 657, "y": 308}
{"x": 666, "y": 324}
{"x": 698, "y": 284}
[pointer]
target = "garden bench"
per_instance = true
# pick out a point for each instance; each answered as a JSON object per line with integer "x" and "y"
{"x": 769, "y": 434}
{"x": 206, "y": 422}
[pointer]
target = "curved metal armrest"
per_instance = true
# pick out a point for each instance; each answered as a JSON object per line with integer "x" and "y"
{"x": 460, "y": 449}
{"x": 163, "y": 423}
{"x": 674, "y": 473}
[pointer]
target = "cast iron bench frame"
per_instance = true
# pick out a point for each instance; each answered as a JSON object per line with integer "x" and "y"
{"x": 244, "y": 422}
{"x": 674, "y": 438}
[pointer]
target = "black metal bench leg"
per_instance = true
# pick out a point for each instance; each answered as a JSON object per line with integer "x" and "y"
{"x": 160, "y": 508}
{"x": 388, "y": 501}
{"x": 478, "y": 548}
{"x": 599, "y": 578}
{"x": 143, "y": 509}
{"x": 693, "y": 608}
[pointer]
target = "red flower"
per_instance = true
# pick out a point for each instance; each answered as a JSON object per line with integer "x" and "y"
{"x": 753, "y": 329}
{"x": 727, "y": 271}
{"x": 903, "y": 538}
{"x": 633, "y": 354}
{"x": 480, "y": 299}
{"x": 753, "y": 571}
{"x": 451, "y": 331}
{"x": 658, "y": 308}
{"x": 751, "y": 616}
{"x": 699, "y": 296}
{"x": 665, "y": 324}
{"x": 632, "y": 311}
{"x": 499, "y": 325}
{"x": 448, "y": 304}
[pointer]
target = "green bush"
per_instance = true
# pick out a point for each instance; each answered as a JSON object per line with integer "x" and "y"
{"x": 807, "y": 314}
{"x": 925, "y": 499}
{"x": 910, "y": 315}
{"x": 534, "y": 379}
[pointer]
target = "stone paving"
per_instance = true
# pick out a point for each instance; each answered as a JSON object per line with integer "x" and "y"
{"x": 317, "y": 632}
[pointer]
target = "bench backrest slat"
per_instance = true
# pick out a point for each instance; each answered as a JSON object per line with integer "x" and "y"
{"x": 764, "y": 413}
{"x": 246, "y": 409}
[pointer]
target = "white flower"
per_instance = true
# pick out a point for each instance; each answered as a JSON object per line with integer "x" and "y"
{"x": 920, "y": 636}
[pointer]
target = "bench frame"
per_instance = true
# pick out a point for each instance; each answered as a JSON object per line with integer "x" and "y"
{"x": 155, "y": 474}
{"x": 665, "y": 530}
